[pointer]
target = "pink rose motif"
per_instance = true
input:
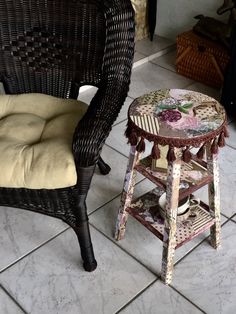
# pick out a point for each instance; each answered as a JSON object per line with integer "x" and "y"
{"x": 170, "y": 115}
{"x": 187, "y": 122}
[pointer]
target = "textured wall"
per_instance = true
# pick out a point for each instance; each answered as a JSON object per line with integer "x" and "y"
{"x": 176, "y": 16}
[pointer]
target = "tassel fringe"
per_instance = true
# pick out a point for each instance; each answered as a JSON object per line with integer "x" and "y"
{"x": 221, "y": 140}
{"x": 171, "y": 154}
{"x": 141, "y": 146}
{"x": 155, "y": 154}
{"x": 214, "y": 147}
{"x": 133, "y": 139}
{"x": 187, "y": 156}
{"x": 226, "y": 132}
{"x": 201, "y": 152}
{"x": 131, "y": 135}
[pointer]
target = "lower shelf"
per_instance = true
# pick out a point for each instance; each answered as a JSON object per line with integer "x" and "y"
{"x": 146, "y": 210}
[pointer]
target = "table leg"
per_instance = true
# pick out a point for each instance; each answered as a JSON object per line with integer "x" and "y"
{"x": 126, "y": 197}
{"x": 152, "y": 9}
{"x": 169, "y": 238}
{"x": 214, "y": 197}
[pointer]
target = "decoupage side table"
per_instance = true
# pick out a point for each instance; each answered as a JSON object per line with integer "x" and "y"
{"x": 175, "y": 121}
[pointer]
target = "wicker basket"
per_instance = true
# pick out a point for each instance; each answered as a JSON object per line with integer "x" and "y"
{"x": 201, "y": 59}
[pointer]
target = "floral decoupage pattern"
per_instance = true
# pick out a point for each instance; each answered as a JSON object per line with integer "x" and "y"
{"x": 178, "y": 113}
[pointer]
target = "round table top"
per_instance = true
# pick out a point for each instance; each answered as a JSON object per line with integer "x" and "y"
{"x": 177, "y": 117}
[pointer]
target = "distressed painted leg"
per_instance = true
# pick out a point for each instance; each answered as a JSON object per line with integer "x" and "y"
{"x": 126, "y": 197}
{"x": 169, "y": 239}
{"x": 214, "y": 197}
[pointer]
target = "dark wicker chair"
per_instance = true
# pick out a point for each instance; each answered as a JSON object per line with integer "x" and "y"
{"x": 54, "y": 47}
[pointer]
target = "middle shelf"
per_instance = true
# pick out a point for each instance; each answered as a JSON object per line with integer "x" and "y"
{"x": 194, "y": 175}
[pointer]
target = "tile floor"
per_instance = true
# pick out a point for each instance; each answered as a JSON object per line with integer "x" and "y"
{"x": 40, "y": 265}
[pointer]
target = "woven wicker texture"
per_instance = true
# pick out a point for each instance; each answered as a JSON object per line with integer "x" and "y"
{"x": 54, "y": 47}
{"x": 201, "y": 59}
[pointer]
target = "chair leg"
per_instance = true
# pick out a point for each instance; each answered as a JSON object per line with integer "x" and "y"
{"x": 84, "y": 237}
{"x": 103, "y": 167}
{"x": 81, "y": 224}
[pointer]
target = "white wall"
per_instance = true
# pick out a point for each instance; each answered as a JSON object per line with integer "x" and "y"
{"x": 176, "y": 16}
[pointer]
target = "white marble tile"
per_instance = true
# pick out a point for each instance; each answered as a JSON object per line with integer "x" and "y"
{"x": 87, "y": 95}
{"x": 149, "y": 77}
{"x": 118, "y": 141}
{"x": 138, "y": 241}
{"x": 138, "y": 56}
{"x": 159, "y": 298}
{"x": 227, "y": 169}
{"x": 51, "y": 280}
{"x": 104, "y": 188}
{"x": 7, "y": 305}
{"x": 208, "y": 277}
{"x": 147, "y": 47}
{"x": 22, "y": 231}
{"x": 167, "y": 61}
{"x": 205, "y": 89}
{"x": 231, "y": 141}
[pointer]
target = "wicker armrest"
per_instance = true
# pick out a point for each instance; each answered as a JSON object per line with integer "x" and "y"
{"x": 95, "y": 126}
{"x": 104, "y": 108}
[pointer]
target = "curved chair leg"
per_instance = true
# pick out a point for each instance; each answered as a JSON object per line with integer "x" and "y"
{"x": 81, "y": 225}
{"x": 84, "y": 237}
{"x": 103, "y": 167}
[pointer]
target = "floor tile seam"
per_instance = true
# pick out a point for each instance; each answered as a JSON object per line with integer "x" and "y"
{"x": 123, "y": 120}
{"x": 113, "y": 241}
{"x": 234, "y": 148}
{"x": 155, "y": 55}
{"x": 116, "y": 150}
{"x": 33, "y": 250}
{"x": 106, "y": 203}
{"x": 13, "y": 299}
{"x": 231, "y": 218}
{"x": 171, "y": 71}
{"x": 169, "y": 46}
{"x": 197, "y": 245}
{"x": 136, "y": 296}
{"x": 163, "y": 67}
{"x": 225, "y": 215}
{"x": 186, "y": 298}
{"x": 112, "y": 199}
{"x": 149, "y": 286}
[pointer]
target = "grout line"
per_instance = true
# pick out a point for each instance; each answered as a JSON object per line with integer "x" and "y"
{"x": 124, "y": 250}
{"x": 136, "y": 296}
{"x": 154, "y": 55}
{"x": 149, "y": 286}
{"x": 189, "y": 300}
{"x": 112, "y": 199}
{"x": 161, "y": 66}
{"x": 35, "y": 249}
{"x": 116, "y": 150}
{"x": 99, "y": 207}
{"x": 115, "y": 124}
{"x": 231, "y": 146}
{"x": 13, "y": 299}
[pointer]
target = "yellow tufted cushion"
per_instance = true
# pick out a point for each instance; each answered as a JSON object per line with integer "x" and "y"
{"x": 36, "y": 133}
